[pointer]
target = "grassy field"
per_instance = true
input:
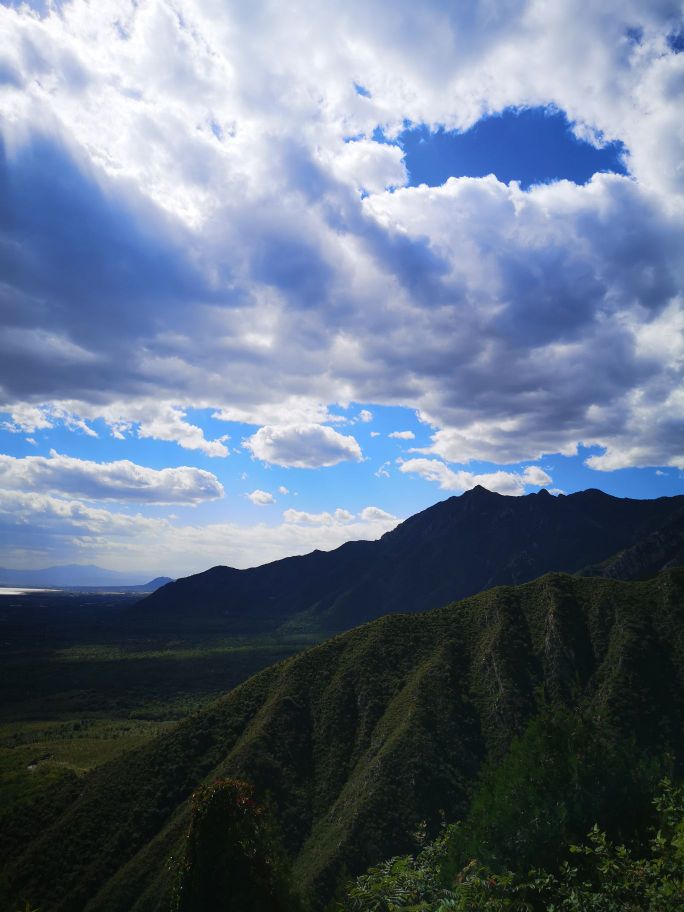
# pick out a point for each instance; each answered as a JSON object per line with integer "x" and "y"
{"x": 77, "y": 690}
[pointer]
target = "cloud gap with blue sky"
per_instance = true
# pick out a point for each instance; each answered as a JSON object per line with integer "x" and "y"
{"x": 271, "y": 280}
{"x": 530, "y": 146}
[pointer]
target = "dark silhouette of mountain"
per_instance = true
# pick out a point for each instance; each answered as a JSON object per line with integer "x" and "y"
{"x": 78, "y": 576}
{"x": 453, "y": 549}
{"x": 357, "y": 740}
{"x": 662, "y": 548}
{"x": 152, "y": 585}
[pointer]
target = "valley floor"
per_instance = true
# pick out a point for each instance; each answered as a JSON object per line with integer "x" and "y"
{"x": 76, "y": 692}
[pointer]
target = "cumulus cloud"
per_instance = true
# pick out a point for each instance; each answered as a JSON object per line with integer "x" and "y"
{"x": 168, "y": 423}
{"x": 314, "y": 519}
{"x": 261, "y": 498}
{"x": 302, "y": 446}
{"x": 26, "y": 419}
{"x": 283, "y": 490}
{"x": 143, "y": 418}
{"x": 365, "y": 415}
{"x": 375, "y": 514}
{"x": 43, "y": 529}
{"x": 211, "y": 167}
{"x": 402, "y": 435}
{"x": 370, "y": 166}
{"x": 341, "y": 516}
{"x": 449, "y": 480}
{"x": 121, "y": 480}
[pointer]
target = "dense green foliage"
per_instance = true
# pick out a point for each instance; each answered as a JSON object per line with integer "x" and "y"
{"x": 598, "y": 876}
{"x": 563, "y": 774}
{"x": 359, "y": 740}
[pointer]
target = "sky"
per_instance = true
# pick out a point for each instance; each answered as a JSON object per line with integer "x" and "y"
{"x": 277, "y": 276}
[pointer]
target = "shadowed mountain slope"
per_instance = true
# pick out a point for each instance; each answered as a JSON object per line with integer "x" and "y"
{"x": 359, "y": 739}
{"x": 454, "y": 549}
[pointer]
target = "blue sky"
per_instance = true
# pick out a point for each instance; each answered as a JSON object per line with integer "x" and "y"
{"x": 529, "y": 145}
{"x": 274, "y": 281}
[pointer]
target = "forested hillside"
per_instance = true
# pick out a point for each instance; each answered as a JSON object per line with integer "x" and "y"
{"x": 357, "y": 741}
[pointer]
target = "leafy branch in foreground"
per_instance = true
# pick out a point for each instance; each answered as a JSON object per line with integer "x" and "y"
{"x": 602, "y": 877}
{"x": 405, "y": 882}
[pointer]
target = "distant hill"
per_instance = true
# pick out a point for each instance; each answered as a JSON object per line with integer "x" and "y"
{"x": 151, "y": 585}
{"x": 79, "y": 576}
{"x": 358, "y": 740}
{"x": 453, "y": 549}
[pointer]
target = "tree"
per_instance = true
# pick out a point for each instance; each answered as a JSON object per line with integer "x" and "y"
{"x": 232, "y": 861}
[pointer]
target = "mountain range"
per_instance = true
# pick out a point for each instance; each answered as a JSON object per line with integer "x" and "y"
{"x": 453, "y": 549}
{"x": 356, "y": 741}
{"x": 76, "y": 576}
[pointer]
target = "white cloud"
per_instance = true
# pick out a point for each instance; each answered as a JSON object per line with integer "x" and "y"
{"x": 26, "y": 419}
{"x": 383, "y": 471}
{"x": 365, "y": 415}
{"x": 42, "y": 529}
{"x": 375, "y": 433}
{"x": 294, "y": 409}
{"x": 342, "y": 517}
{"x": 369, "y": 166}
{"x": 302, "y": 445}
{"x": 209, "y": 150}
{"x": 167, "y": 422}
{"x": 402, "y": 435}
{"x": 121, "y": 480}
{"x": 146, "y": 418}
{"x": 283, "y": 490}
{"x": 78, "y": 424}
{"x": 375, "y": 514}
{"x": 536, "y": 476}
{"x": 301, "y": 516}
{"x": 261, "y": 498}
{"x": 31, "y": 440}
{"x": 502, "y": 482}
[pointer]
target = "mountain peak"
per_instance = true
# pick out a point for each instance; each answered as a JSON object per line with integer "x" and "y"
{"x": 478, "y": 491}
{"x": 451, "y": 550}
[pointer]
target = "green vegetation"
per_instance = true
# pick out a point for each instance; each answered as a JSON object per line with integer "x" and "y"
{"x": 76, "y": 692}
{"x": 364, "y": 742}
{"x": 231, "y": 858}
{"x": 36, "y": 755}
{"x": 156, "y": 680}
{"x": 597, "y": 876}
{"x": 563, "y": 774}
